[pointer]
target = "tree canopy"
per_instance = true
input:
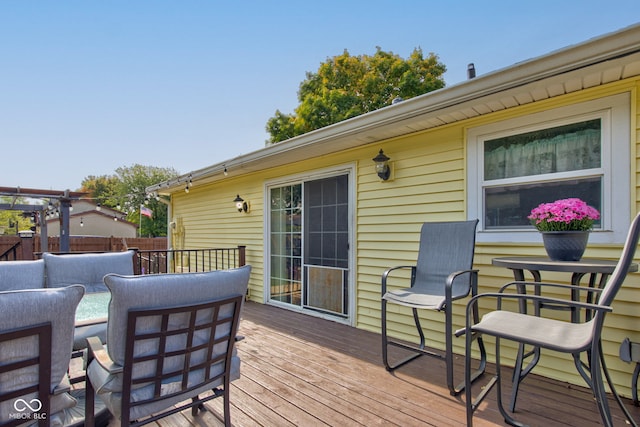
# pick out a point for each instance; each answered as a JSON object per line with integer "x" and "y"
{"x": 125, "y": 191}
{"x": 346, "y": 86}
{"x": 11, "y": 222}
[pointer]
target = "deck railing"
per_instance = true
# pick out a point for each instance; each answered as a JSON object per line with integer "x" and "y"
{"x": 155, "y": 261}
{"x": 188, "y": 260}
{"x": 11, "y": 254}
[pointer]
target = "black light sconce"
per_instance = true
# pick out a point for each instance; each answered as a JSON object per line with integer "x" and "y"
{"x": 382, "y": 166}
{"x": 241, "y": 205}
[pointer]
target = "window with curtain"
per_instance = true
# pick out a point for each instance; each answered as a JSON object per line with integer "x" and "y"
{"x": 575, "y": 150}
{"x": 522, "y": 170}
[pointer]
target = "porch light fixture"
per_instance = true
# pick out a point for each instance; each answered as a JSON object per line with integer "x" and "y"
{"x": 241, "y": 205}
{"x": 382, "y": 166}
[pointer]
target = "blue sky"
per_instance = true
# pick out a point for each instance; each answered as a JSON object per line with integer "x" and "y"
{"x": 90, "y": 86}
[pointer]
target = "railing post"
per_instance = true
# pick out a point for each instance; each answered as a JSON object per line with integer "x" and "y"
{"x": 26, "y": 241}
{"x": 242, "y": 257}
{"x": 137, "y": 261}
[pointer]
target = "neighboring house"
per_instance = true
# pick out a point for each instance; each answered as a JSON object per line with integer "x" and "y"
{"x": 321, "y": 227}
{"x": 86, "y": 219}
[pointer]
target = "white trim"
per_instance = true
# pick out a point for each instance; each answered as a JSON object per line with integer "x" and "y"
{"x": 615, "y": 112}
{"x": 300, "y": 178}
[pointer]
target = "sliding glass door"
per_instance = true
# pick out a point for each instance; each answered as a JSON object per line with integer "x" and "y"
{"x": 309, "y": 245}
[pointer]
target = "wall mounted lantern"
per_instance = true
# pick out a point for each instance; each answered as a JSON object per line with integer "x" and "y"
{"x": 382, "y": 166}
{"x": 241, "y": 205}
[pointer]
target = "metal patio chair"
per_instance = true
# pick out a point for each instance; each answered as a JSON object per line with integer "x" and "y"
{"x": 443, "y": 274}
{"x": 170, "y": 339}
{"x": 36, "y": 334}
{"x": 550, "y": 333}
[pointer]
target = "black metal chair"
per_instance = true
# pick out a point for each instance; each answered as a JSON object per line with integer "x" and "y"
{"x": 443, "y": 274}
{"x": 36, "y": 334}
{"x": 170, "y": 338}
{"x": 549, "y": 333}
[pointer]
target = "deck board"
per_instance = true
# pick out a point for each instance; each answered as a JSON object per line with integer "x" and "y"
{"x": 300, "y": 370}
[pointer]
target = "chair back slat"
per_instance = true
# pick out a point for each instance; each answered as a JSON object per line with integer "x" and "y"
{"x": 188, "y": 345}
{"x": 27, "y": 391}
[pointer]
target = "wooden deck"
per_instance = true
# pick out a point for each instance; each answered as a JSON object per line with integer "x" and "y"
{"x": 298, "y": 370}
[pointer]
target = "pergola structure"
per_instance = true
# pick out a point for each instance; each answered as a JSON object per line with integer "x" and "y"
{"x": 61, "y": 199}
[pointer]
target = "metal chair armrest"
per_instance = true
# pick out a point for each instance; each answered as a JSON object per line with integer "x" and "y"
{"x": 452, "y": 277}
{"x": 473, "y": 302}
{"x": 96, "y": 351}
{"x": 63, "y": 387}
{"x": 385, "y": 275}
{"x": 551, "y": 285}
{"x": 537, "y": 298}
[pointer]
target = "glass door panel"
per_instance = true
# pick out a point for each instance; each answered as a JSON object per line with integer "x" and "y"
{"x": 286, "y": 244}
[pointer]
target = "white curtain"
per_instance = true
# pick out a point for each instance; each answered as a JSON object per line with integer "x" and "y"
{"x": 562, "y": 153}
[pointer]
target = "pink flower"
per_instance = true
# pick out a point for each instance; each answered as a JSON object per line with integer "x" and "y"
{"x": 570, "y": 214}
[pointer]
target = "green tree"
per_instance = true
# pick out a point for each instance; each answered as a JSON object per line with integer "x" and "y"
{"x": 103, "y": 189}
{"x": 133, "y": 181}
{"x": 125, "y": 191}
{"x": 12, "y": 221}
{"x": 346, "y": 86}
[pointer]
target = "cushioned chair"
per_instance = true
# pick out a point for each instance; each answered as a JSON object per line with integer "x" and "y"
{"x": 36, "y": 334}
{"x": 171, "y": 338}
{"x": 17, "y": 275}
{"x": 442, "y": 274}
{"x": 88, "y": 270}
{"x": 549, "y": 333}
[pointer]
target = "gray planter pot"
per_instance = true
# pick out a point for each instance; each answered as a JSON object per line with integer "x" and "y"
{"x": 565, "y": 245}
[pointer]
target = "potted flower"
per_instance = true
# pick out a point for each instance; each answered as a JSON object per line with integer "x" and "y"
{"x": 565, "y": 225}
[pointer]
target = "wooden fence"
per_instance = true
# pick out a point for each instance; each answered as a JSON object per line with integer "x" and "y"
{"x": 27, "y": 248}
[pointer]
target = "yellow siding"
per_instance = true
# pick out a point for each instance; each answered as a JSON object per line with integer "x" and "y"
{"x": 428, "y": 184}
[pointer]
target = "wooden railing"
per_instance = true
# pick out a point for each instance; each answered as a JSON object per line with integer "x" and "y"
{"x": 11, "y": 254}
{"x": 188, "y": 260}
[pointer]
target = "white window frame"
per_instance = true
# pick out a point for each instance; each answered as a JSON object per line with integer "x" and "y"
{"x": 614, "y": 111}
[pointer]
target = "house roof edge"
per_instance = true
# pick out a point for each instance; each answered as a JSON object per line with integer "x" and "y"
{"x": 575, "y": 57}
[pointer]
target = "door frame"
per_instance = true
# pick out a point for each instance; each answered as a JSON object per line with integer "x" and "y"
{"x": 344, "y": 169}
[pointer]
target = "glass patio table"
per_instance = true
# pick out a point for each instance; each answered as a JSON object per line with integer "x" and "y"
{"x": 91, "y": 320}
{"x": 93, "y": 308}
